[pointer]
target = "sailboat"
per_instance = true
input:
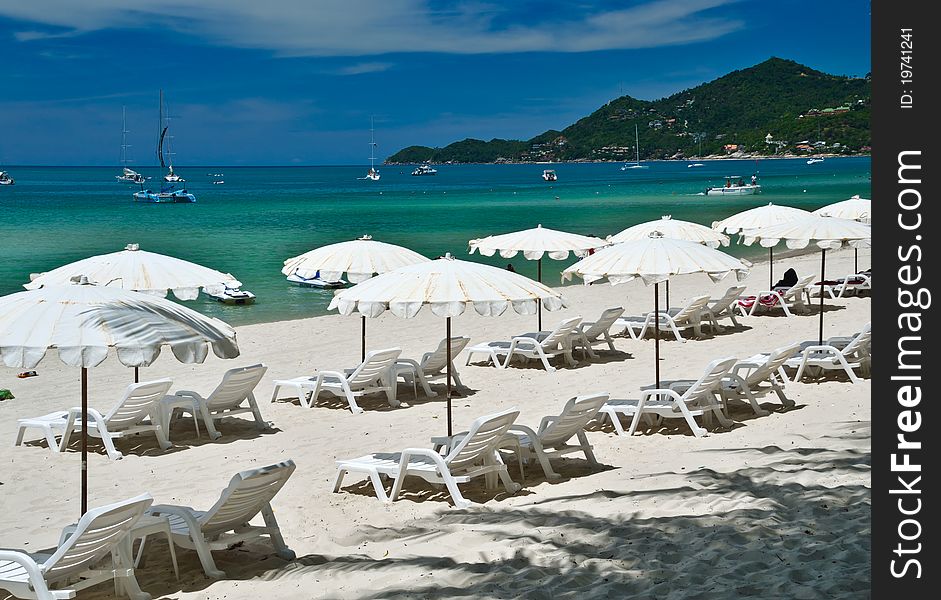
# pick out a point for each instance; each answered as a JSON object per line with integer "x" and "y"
{"x": 636, "y": 164}
{"x": 163, "y": 125}
{"x": 373, "y": 173}
{"x": 127, "y": 175}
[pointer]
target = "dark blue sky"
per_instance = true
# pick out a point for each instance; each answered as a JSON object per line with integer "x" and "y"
{"x": 295, "y": 81}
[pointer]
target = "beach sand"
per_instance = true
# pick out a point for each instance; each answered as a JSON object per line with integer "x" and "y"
{"x": 776, "y": 507}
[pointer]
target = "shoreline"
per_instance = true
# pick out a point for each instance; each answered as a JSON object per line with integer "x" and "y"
{"x": 709, "y": 158}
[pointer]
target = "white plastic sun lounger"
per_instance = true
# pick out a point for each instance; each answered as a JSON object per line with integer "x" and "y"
{"x": 70, "y": 568}
{"x": 672, "y": 320}
{"x": 788, "y": 300}
{"x": 846, "y": 286}
{"x": 836, "y": 355}
{"x": 474, "y": 455}
{"x": 758, "y": 376}
{"x": 682, "y": 400}
{"x": 551, "y": 439}
{"x": 137, "y": 412}
{"x": 593, "y": 333}
{"x": 723, "y": 308}
{"x": 373, "y": 375}
{"x": 235, "y": 395}
{"x": 432, "y": 366}
{"x": 541, "y": 345}
{"x": 248, "y": 494}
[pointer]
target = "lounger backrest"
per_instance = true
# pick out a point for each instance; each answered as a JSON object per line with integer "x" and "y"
{"x": 248, "y": 492}
{"x": 692, "y": 309}
{"x": 139, "y": 401}
{"x": 236, "y": 386}
{"x": 577, "y": 413}
{"x": 376, "y": 364}
{"x": 730, "y": 296}
{"x": 710, "y": 380}
{"x": 859, "y": 346}
{"x": 432, "y": 362}
{"x": 775, "y": 361}
{"x": 481, "y": 440}
{"x": 799, "y": 287}
{"x": 97, "y": 533}
{"x": 604, "y": 322}
{"x": 560, "y": 333}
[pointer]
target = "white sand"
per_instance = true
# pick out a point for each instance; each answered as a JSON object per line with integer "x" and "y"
{"x": 777, "y": 507}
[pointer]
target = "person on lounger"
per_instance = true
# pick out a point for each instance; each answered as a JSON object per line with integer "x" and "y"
{"x": 788, "y": 281}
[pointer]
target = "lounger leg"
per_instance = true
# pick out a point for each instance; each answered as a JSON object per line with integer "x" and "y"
{"x": 511, "y": 486}
{"x": 785, "y": 401}
{"x": 205, "y": 555}
{"x": 586, "y": 447}
{"x": 800, "y": 369}
{"x": 20, "y": 431}
{"x": 459, "y": 500}
{"x": 615, "y": 420}
{"x": 162, "y": 440}
{"x": 274, "y": 393}
{"x": 275, "y": 533}
{"x": 454, "y": 376}
{"x": 207, "y": 419}
{"x": 126, "y": 581}
{"x": 636, "y": 420}
{"x": 540, "y": 453}
{"x": 545, "y": 359}
{"x": 106, "y": 438}
{"x": 260, "y": 422}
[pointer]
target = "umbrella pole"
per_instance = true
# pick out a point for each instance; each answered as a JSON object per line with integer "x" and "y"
{"x": 823, "y": 272}
{"x": 855, "y": 260}
{"x": 448, "y": 343}
{"x": 84, "y": 441}
{"x": 136, "y": 374}
{"x": 667, "y": 295}
{"x": 538, "y": 300}
{"x": 656, "y": 331}
{"x": 363, "y": 351}
{"x": 770, "y": 268}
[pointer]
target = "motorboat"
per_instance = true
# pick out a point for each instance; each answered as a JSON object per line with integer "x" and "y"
{"x": 219, "y": 182}
{"x": 735, "y": 186}
{"x": 549, "y": 175}
{"x": 130, "y": 176}
{"x": 234, "y": 296}
{"x": 172, "y": 177}
{"x": 691, "y": 165}
{"x": 167, "y": 195}
{"x": 813, "y": 161}
{"x": 5, "y": 178}
{"x": 424, "y": 170}
{"x": 314, "y": 281}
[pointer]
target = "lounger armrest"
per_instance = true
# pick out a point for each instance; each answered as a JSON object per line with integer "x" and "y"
{"x": 546, "y": 422}
{"x": 26, "y": 561}
{"x": 184, "y": 512}
{"x": 75, "y": 414}
{"x": 408, "y": 453}
{"x": 646, "y": 394}
{"x": 338, "y": 374}
{"x": 188, "y": 393}
{"x": 824, "y": 348}
{"x": 524, "y": 430}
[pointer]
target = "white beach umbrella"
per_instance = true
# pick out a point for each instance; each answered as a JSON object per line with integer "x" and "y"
{"x": 674, "y": 229}
{"x": 449, "y": 287}
{"x": 756, "y": 218}
{"x": 654, "y": 260}
{"x": 536, "y": 243}
{"x": 827, "y": 233}
{"x": 141, "y": 271}
{"x": 854, "y": 209}
{"x": 359, "y": 259}
{"x": 82, "y": 322}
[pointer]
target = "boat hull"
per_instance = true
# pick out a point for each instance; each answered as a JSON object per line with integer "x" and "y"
{"x": 164, "y": 197}
{"x": 234, "y": 300}
{"x": 315, "y": 282}
{"x": 744, "y": 190}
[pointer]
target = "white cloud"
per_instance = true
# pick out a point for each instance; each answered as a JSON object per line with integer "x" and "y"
{"x": 364, "y": 67}
{"x": 366, "y": 27}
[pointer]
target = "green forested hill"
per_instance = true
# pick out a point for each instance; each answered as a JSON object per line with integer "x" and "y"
{"x": 792, "y": 102}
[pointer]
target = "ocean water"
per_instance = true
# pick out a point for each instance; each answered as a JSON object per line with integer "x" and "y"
{"x": 264, "y": 215}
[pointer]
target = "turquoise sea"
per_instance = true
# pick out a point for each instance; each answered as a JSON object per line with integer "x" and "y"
{"x": 263, "y": 215}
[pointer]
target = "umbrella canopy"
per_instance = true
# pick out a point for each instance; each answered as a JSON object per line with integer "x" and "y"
{"x": 449, "y": 287}
{"x": 854, "y": 209}
{"x": 826, "y": 232}
{"x": 360, "y": 259}
{"x": 535, "y": 243}
{"x": 675, "y": 229}
{"x": 654, "y": 260}
{"x": 141, "y": 271}
{"x": 762, "y": 216}
{"x": 83, "y": 321}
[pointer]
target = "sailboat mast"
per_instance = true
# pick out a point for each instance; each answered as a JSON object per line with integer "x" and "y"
{"x": 161, "y": 131}
{"x": 372, "y": 144}
{"x": 124, "y": 136}
{"x": 636, "y": 145}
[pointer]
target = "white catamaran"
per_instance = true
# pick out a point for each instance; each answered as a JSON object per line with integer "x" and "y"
{"x": 636, "y": 164}
{"x": 127, "y": 175}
